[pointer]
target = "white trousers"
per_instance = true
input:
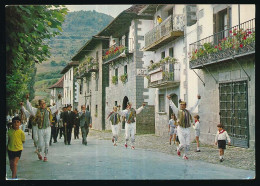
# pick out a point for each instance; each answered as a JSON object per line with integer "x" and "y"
{"x": 35, "y": 134}
{"x": 44, "y": 136}
{"x": 184, "y": 138}
{"x": 130, "y": 132}
{"x": 115, "y": 131}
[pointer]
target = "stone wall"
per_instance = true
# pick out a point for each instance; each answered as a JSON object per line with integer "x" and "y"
{"x": 209, "y": 107}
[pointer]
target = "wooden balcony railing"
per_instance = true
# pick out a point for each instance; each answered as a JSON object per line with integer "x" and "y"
{"x": 164, "y": 75}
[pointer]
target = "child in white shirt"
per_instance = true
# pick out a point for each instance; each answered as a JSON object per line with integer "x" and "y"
{"x": 196, "y": 126}
{"x": 220, "y": 139}
{"x": 172, "y": 127}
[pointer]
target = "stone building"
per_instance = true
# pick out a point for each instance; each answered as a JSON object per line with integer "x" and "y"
{"x": 91, "y": 79}
{"x": 56, "y": 89}
{"x": 69, "y": 84}
{"x": 169, "y": 74}
{"x": 124, "y": 62}
{"x": 222, "y": 53}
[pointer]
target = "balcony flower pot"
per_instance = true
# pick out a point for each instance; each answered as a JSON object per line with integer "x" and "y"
{"x": 114, "y": 79}
{"x": 123, "y": 78}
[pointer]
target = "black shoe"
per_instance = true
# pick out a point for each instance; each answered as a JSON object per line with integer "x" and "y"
{"x": 86, "y": 143}
{"x": 221, "y": 160}
{"x": 197, "y": 150}
{"x": 55, "y": 142}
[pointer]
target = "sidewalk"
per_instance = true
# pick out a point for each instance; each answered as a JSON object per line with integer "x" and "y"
{"x": 235, "y": 157}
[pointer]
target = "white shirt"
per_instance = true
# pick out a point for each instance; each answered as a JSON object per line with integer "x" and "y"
{"x": 197, "y": 125}
{"x": 222, "y": 136}
{"x": 124, "y": 112}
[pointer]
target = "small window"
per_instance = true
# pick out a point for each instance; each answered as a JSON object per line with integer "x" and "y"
{"x": 161, "y": 103}
{"x": 97, "y": 57}
{"x": 81, "y": 87}
{"x": 125, "y": 69}
{"x": 96, "y": 112}
{"x": 162, "y": 55}
{"x": 87, "y": 86}
{"x": 116, "y": 72}
{"x": 115, "y": 103}
{"x": 70, "y": 74}
{"x": 96, "y": 88}
{"x": 171, "y": 52}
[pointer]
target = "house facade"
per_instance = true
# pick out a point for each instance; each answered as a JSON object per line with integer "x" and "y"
{"x": 56, "y": 89}
{"x": 222, "y": 52}
{"x": 90, "y": 80}
{"x": 124, "y": 62}
{"x": 69, "y": 84}
{"x": 169, "y": 73}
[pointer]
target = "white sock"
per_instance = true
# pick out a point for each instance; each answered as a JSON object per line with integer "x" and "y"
{"x": 198, "y": 148}
{"x": 220, "y": 157}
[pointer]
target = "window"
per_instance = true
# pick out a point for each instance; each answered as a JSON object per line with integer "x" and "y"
{"x": 116, "y": 72}
{"x": 221, "y": 22}
{"x": 65, "y": 76}
{"x": 171, "y": 54}
{"x": 81, "y": 86}
{"x": 162, "y": 55}
{"x": 161, "y": 103}
{"x": 125, "y": 69}
{"x": 96, "y": 111}
{"x": 87, "y": 86}
{"x": 115, "y": 103}
{"x": 70, "y": 74}
{"x": 96, "y": 88}
{"x": 70, "y": 97}
{"x": 97, "y": 57}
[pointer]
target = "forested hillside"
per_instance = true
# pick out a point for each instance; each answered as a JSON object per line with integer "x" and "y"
{"x": 78, "y": 28}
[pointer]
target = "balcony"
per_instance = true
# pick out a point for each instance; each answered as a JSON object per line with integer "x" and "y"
{"x": 115, "y": 52}
{"x": 228, "y": 44}
{"x": 169, "y": 30}
{"x": 164, "y": 74}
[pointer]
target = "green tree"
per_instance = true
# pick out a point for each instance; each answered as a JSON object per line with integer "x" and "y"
{"x": 53, "y": 63}
{"x": 28, "y": 30}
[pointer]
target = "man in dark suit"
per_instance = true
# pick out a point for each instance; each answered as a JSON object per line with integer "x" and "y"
{"x": 69, "y": 118}
{"x": 85, "y": 122}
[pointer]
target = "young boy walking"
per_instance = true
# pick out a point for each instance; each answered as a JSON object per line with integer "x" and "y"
{"x": 16, "y": 138}
{"x": 196, "y": 126}
{"x": 220, "y": 139}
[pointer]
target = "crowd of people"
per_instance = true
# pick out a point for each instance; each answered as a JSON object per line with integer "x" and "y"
{"x": 47, "y": 123}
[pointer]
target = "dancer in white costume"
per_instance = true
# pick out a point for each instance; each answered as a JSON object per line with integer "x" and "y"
{"x": 114, "y": 118}
{"x": 130, "y": 114}
{"x": 184, "y": 120}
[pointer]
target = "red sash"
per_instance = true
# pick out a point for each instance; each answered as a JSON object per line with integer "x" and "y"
{"x": 221, "y": 131}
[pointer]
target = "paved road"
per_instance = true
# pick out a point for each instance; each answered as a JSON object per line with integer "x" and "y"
{"x": 100, "y": 160}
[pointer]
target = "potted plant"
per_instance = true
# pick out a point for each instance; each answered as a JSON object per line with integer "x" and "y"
{"x": 123, "y": 78}
{"x": 114, "y": 79}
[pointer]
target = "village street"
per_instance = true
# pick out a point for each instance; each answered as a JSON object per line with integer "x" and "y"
{"x": 100, "y": 160}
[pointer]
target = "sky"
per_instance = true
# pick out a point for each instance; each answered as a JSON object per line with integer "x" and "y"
{"x": 112, "y": 10}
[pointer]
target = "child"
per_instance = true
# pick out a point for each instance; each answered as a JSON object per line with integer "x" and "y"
{"x": 196, "y": 126}
{"x": 16, "y": 138}
{"x": 220, "y": 139}
{"x": 172, "y": 126}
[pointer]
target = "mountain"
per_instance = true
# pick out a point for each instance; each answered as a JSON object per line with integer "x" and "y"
{"x": 78, "y": 28}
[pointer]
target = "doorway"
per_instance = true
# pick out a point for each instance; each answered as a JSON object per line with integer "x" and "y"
{"x": 174, "y": 98}
{"x": 125, "y": 101}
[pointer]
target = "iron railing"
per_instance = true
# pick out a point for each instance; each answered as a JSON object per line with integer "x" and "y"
{"x": 172, "y": 23}
{"x": 114, "y": 54}
{"x": 237, "y": 40}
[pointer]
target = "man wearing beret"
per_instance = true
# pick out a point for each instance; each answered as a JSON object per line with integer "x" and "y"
{"x": 184, "y": 120}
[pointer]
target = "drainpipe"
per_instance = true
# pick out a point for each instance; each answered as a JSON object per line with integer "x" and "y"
{"x": 239, "y": 16}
